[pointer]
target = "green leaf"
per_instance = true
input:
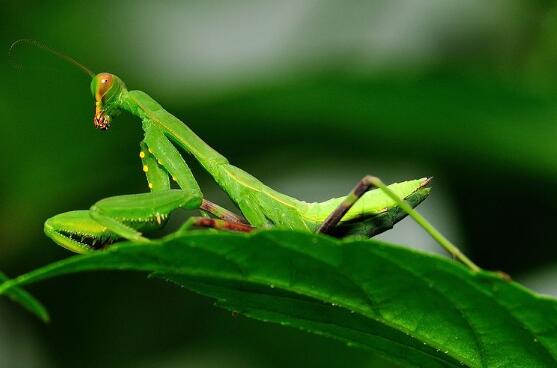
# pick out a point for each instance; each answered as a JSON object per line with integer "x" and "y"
{"x": 26, "y": 300}
{"x": 417, "y": 309}
{"x": 400, "y": 114}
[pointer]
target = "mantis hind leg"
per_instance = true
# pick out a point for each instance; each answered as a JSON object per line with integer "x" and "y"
{"x": 370, "y": 182}
{"x": 367, "y": 183}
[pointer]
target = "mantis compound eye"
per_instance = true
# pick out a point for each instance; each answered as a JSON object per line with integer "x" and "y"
{"x": 104, "y": 84}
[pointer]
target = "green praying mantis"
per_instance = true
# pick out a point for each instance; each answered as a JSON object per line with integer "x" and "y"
{"x": 370, "y": 208}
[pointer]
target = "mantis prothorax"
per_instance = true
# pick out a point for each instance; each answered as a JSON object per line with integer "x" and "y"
{"x": 370, "y": 208}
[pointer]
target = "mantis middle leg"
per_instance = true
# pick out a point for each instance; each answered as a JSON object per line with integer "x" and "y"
{"x": 216, "y": 224}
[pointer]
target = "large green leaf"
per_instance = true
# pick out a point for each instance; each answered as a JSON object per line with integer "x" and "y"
{"x": 418, "y": 309}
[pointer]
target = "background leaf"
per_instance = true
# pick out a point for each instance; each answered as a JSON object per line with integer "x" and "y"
{"x": 26, "y": 300}
{"x": 418, "y": 309}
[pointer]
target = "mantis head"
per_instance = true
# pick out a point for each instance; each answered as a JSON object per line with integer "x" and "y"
{"x": 107, "y": 90}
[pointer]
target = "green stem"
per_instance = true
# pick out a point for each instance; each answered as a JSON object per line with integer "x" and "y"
{"x": 427, "y": 226}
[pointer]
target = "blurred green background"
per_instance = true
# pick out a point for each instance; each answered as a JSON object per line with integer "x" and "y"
{"x": 306, "y": 95}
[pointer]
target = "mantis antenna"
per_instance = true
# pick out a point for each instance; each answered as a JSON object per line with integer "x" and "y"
{"x": 35, "y": 43}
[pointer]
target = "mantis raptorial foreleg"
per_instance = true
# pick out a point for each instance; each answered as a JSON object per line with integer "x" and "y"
{"x": 161, "y": 158}
{"x": 117, "y": 227}
{"x": 169, "y": 158}
{"x": 125, "y": 215}
{"x": 128, "y": 216}
{"x": 157, "y": 177}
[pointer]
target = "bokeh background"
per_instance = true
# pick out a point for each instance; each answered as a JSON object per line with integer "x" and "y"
{"x": 307, "y": 95}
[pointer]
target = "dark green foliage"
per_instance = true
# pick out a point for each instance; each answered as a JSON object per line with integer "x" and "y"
{"x": 418, "y": 309}
{"x": 26, "y": 300}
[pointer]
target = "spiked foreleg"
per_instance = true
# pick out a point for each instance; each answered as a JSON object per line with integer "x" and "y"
{"x": 169, "y": 158}
{"x": 157, "y": 177}
{"x": 116, "y": 226}
{"x": 127, "y": 215}
{"x": 160, "y": 158}
{"x": 78, "y": 232}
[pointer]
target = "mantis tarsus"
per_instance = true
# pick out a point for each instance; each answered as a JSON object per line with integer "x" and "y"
{"x": 370, "y": 208}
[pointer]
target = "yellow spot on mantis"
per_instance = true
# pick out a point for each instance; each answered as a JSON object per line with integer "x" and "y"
{"x": 150, "y": 185}
{"x": 142, "y": 154}
{"x": 150, "y": 150}
{"x": 145, "y": 168}
{"x": 158, "y": 218}
{"x": 174, "y": 178}
{"x": 160, "y": 162}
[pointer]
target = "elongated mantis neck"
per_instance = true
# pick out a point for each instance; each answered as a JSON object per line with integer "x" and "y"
{"x": 143, "y": 106}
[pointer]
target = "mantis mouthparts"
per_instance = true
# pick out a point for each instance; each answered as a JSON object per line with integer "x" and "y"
{"x": 101, "y": 121}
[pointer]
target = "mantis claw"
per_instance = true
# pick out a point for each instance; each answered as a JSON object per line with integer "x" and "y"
{"x": 78, "y": 232}
{"x": 117, "y": 218}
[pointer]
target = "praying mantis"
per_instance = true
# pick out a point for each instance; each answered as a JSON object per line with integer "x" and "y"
{"x": 370, "y": 208}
